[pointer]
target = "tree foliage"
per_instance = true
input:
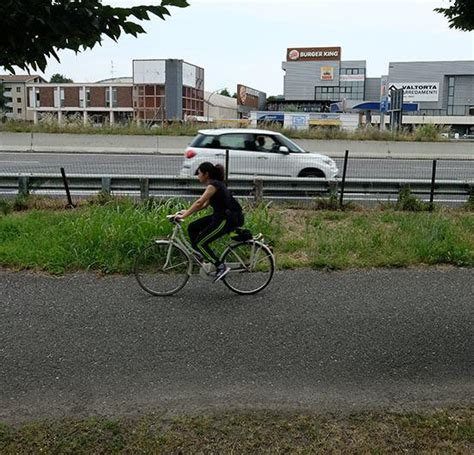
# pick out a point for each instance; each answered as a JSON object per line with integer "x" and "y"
{"x": 460, "y": 14}
{"x": 224, "y": 92}
{"x": 59, "y": 78}
{"x": 34, "y": 30}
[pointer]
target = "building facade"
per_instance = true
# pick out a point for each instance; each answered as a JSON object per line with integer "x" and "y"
{"x": 159, "y": 90}
{"x": 167, "y": 90}
{"x": 92, "y": 103}
{"x": 440, "y": 88}
{"x": 317, "y": 80}
{"x": 316, "y": 77}
{"x": 15, "y": 94}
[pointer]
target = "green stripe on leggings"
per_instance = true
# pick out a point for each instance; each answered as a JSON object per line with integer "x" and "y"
{"x": 208, "y": 236}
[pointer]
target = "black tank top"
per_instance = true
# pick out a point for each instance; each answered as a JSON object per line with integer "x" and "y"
{"x": 220, "y": 200}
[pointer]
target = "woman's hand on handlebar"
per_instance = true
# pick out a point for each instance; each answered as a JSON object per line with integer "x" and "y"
{"x": 178, "y": 216}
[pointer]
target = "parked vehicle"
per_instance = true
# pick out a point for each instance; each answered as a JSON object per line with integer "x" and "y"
{"x": 256, "y": 153}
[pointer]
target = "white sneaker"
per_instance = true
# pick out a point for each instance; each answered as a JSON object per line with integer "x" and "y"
{"x": 221, "y": 271}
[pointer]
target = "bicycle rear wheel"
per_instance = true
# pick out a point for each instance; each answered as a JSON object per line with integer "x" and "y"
{"x": 163, "y": 268}
{"x": 252, "y": 267}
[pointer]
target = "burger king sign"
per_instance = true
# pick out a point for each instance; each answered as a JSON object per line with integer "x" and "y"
{"x": 294, "y": 54}
{"x": 313, "y": 54}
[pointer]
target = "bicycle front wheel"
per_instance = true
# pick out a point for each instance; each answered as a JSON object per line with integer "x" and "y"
{"x": 163, "y": 268}
{"x": 251, "y": 267}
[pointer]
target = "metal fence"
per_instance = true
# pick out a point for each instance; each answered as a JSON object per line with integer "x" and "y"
{"x": 362, "y": 179}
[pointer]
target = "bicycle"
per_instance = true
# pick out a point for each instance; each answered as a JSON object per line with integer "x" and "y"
{"x": 164, "y": 267}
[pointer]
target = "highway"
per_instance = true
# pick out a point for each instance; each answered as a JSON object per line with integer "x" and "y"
{"x": 135, "y": 164}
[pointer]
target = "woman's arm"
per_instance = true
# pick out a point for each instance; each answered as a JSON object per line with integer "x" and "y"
{"x": 201, "y": 203}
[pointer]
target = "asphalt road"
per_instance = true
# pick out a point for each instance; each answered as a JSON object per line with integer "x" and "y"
{"x": 81, "y": 345}
{"x": 121, "y": 164}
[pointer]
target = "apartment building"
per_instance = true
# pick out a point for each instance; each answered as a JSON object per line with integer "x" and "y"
{"x": 15, "y": 94}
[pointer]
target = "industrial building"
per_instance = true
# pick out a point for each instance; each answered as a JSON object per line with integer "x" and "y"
{"x": 318, "y": 80}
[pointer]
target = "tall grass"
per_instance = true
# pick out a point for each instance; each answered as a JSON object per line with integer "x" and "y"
{"x": 107, "y": 237}
{"x": 422, "y": 133}
{"x": 339, "y": 240}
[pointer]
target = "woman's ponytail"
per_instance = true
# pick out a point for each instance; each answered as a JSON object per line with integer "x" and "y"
{"x": 219, "y": 172}
{"x": 216, "y": 172}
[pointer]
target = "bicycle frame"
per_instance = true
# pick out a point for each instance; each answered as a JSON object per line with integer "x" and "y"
{"x": 178, "y": 237}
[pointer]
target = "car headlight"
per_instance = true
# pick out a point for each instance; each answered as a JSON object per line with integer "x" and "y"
{"x": 329, "y": 161}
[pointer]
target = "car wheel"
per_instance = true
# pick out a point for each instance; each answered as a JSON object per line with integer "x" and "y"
{"x": 312, "y": 173}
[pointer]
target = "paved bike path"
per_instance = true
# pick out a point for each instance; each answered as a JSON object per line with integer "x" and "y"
{"x": 81, "y": 345}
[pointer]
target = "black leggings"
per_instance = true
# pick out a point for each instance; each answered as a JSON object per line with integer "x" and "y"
{"x": 206, "y": 230}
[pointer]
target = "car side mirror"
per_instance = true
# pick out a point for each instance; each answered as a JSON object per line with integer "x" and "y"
{"x": 283, "y": 149}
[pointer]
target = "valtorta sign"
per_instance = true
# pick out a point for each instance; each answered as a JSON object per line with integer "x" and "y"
{"x": 418, "y": 91}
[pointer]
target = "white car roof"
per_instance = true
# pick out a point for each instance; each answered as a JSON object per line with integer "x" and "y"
{"x": 218, "y": 132}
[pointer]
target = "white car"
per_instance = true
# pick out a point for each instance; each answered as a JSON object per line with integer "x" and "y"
{"x": 255, "y": 153}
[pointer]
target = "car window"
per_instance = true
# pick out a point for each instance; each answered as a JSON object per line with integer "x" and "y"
{"x": 266, "y": 143}
{"x": 292, "y": 147}
{"x": 206, "y": 141}
{"x": 237, "y": 142}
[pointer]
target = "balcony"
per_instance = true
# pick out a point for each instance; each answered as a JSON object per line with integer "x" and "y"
{"x": 7, "y": 93}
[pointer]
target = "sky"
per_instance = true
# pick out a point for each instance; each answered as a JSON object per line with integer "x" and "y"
{"x": 245, "y": 41}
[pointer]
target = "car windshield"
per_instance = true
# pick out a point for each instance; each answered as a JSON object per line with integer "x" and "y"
{"x": 292, "y": 147}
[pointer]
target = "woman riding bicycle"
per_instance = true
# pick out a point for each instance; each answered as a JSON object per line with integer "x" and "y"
{"x": 227, "y": 215}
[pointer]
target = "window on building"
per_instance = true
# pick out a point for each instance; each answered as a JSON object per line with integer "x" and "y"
{"x": 84, "y": 97}
{"x": 61, "y": 97}
{"x": 18, "y": 100}
{"x": 18, "y": 89}
{"x": 114, "y": 97}
{"x": 451, "y": 88}
{"x": 19, "y": 110}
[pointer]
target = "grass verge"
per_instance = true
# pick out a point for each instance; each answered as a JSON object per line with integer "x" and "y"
{"x": 106, "y": 237}
{"x": 424, "y": 133}
{"x": 448, "y": 431}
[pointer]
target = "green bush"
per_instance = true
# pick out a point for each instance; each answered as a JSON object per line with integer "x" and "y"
{"x": 427, "y": 132}
{"x": 5, "y": 207}
{"x": 469, "y": 205}
{"x": 407, "y": 201}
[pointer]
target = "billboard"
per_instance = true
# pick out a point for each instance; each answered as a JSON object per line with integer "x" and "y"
{"x": 417, "y": 91}
{"x": 149, "y": 72}
{"x": 249, "y": 97}
{"x": 327, "y": 73}
{"x": 299, "y": 54}
{"x": 189, "y": 75}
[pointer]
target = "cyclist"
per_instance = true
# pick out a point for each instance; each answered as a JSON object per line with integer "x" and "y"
{"x": 227, "y": 215}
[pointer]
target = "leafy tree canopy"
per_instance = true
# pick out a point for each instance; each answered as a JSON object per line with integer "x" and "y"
{"x": 224, "y": 92}
{"x": 59, "y": 78}
{"x": 33, "y": 30}
{"x": 460, "y": 14}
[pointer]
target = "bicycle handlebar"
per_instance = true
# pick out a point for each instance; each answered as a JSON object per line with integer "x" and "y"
{"x": 173, "y": 219}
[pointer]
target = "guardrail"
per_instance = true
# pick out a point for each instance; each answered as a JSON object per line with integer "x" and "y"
{"x": 290, "y": 189}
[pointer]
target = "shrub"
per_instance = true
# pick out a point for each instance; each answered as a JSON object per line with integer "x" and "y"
{"x": 407, "y": 201}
